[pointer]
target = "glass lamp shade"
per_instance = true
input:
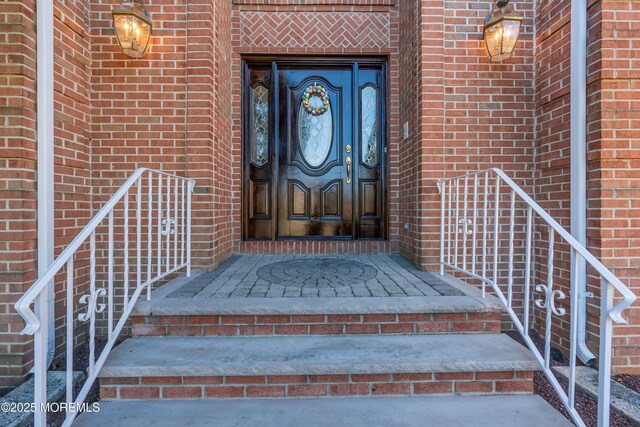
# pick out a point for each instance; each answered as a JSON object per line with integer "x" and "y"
{"x": 133, "y": 27}
{"x": 501, "y": 32}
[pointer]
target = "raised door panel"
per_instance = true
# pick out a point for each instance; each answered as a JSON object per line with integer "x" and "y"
{"x": 299, "y": 200}
{"x": 370, "y": 199}
{"x": 331, "y": 200}
{"x": 260, "y": 200}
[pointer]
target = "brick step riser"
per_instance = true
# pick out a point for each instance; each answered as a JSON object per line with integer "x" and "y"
{"x": 399, "y": 384}
{"x": 333, "y": 324}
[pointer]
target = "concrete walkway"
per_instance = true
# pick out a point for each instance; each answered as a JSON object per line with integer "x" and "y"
{"x": 454, "y": 411}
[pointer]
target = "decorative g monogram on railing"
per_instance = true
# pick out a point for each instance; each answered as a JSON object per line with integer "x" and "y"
{"x": 92, "y": 304}
{"x": 549, "y": 301}
{"x": 169, "y": 226}
{"x": 466, "y": 226}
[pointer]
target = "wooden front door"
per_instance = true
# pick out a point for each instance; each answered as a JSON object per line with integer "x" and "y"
{"x": 315, "y": 145}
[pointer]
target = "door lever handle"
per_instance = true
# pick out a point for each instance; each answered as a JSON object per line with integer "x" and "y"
{"x": 348, "y": 161}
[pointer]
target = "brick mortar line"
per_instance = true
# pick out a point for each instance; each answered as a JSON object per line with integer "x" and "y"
{"x": 516, "y": 383}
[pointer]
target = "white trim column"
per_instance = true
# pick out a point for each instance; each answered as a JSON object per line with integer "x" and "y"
{"x": 578, "y": 162}
{"x": 45, "y": 340}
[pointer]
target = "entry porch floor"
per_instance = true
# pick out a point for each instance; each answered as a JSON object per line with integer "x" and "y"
{"x": 275, "y": 284}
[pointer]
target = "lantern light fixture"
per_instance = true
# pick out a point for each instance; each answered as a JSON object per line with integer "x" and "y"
{"x": 501, "y": 30}
{"x": 132, "y": 23}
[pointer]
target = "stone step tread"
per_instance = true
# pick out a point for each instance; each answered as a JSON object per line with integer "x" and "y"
{"x": 459, "y": 411}
{"x": 163, "y": 305}
{"x": 290, "y": 355}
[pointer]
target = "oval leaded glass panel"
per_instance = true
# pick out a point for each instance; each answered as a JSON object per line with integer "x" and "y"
{"x": 260, "y": 126}
{"x": 315, "y": 133}
{"x": 369, "y": 125}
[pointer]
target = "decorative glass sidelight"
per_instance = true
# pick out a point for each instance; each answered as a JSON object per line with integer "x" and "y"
{"x": 260, "y": 126}
{"x": 315, "y": 130}
{"x": 369, "y": 125}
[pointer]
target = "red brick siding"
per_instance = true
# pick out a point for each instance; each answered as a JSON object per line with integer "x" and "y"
{"x": 612, "y": 159}
{"x": 71, "y": 141}
{"x": 406, "y": 384}
{"x": 17, "y": 179}
{"x": 319, "y": 324}
{"x": 405, "y": 162}
{"x": 614, "y": 162}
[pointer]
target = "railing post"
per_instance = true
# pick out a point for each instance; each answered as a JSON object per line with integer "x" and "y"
{"x": 40, "y": 361}
{"x": 190, "y": 189}
{"x": 473, "y": 224}
{"x": 450, "y": 225}
{"x": 496, "y": 236}
{"x": 484, "y": 234}
{"x": 547, "y": 333}
{"x": 455, "y": 249}
{"x": 110, "y": 276}
{"x": 573, "y": 329}
{"x": 604, "y": 372}
{"x": 512, "y": 224}
{"x": 149, "y": 235}
{"x": 139, "y": 233}
{"x": 464, "y": 224}
{"x": 527, "y": 274}
{"x": 442, "y": 196}
{"x": 159, "y": 224}
{"x": 69, "y": 340}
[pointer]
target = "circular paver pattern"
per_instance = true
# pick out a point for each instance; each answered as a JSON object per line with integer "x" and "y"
{"x": 331, "y": 272}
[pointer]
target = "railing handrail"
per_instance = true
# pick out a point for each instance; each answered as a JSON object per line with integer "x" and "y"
{"x": 458, "y": 222}
{"x": 628, "y": 296}
{"x": 169, "y": 222}
{"x": 23, "y": 305}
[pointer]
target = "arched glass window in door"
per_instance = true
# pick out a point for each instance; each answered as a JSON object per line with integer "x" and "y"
{"x": 315, "y": 129}
{"x": 260, "y": 125}
{"x": 369, "y": 125}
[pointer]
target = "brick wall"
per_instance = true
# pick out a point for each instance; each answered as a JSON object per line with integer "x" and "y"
{"x": 72, "y": 167}
{"x": 71, "y": 140}
{"x": 410, "y": 74}
{"x": 282, "y": 27}
{"x": 17, "y": 178}
{"x": 167, "y": 111}
{"x": 472, "y": 114}
{"x": 612, "y": 159}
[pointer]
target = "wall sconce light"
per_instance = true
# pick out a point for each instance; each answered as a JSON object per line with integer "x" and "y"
{"x": 133, "y": 27}
{"x": 501, "y": 30}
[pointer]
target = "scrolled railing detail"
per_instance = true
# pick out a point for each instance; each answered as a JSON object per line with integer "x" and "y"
{"x": 91, "y": 300}
{"x": 549, "y": 301}
{"x": 466, "y": 226}
{"x": 490, "y": 198}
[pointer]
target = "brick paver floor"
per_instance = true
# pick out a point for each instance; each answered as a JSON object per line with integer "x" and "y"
{"x": 302, "y": 276}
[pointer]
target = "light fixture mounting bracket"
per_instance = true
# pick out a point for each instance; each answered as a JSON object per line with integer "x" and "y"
{"x": 502, "y": 3}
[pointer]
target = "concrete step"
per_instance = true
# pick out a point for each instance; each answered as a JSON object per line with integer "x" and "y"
{"x": 211, "y": 367}
{"x": 458, "y": 411}
{"x": 168, "y": 313}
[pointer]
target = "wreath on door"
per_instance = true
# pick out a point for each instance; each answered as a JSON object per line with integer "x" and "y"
{"x": 315, "y": 91}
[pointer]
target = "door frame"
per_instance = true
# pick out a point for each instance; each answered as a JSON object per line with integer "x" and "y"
{"x": 274, "y": 61}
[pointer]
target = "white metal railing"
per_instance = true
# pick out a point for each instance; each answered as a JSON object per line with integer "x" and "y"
{"x": 149, "y": 245}
{"x": 478, "y": 214}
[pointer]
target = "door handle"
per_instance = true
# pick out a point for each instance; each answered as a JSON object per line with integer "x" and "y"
{"x": 348, "y": 161}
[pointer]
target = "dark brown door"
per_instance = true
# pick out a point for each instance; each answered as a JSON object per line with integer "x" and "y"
{"x": 315, "y": 182}
{"x": 314, "y": 150}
